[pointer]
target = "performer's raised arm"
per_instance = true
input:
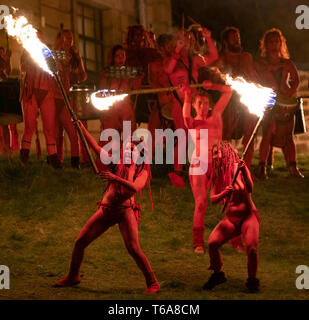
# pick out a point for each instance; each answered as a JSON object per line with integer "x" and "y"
{"x": 213, "y": 52}
{"x": 225, "y": 97}
{"x": 186, "y": 110}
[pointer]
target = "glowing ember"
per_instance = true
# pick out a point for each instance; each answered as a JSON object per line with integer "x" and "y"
{"x": 104, "y": 99}
{"x": 253, "y": 95}
{"x": 26, "y": 35}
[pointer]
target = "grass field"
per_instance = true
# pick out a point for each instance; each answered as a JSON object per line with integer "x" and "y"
{"x": 43, "y": 210}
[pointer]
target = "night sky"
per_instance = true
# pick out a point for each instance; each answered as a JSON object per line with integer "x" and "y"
{"x": 252, "y": 17}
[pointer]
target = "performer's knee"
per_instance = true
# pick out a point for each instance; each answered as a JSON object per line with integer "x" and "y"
{"x": 251, "y": 249}
{"x": 213, "y": 245}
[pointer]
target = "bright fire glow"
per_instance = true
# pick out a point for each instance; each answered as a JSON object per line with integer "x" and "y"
{"x": 104, "y": 99}
{"x": 26, "y": 35}
{"x": 253, "y": 95}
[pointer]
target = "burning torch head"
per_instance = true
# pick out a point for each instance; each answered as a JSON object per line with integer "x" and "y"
{"x": 50, "y": 59}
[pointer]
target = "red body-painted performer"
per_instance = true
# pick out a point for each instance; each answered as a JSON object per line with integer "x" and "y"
{"x": 241, "y": 216}
{"x": 117, "y": 207}
{"x": 71, "y": 71}
{"x": 276, "y": 70}
{"x": 182, "y": 68}
{"x": 37, "y": 92}
{"x": 8, "y": 133}
{"x": 157, "y": 77}
{"x": 236, "y": 62}
{"x": 122, "y": 110}
{"x": 213, "y": 122}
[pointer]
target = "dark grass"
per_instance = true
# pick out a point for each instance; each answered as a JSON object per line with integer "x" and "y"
{"x": 43, "y": 210}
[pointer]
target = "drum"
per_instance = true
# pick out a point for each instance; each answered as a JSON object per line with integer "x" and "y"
{"x": 285, "y": 108}
{"x": 82, "y": 104}
{"x": 166, "y": 112}
{"x": 10, "y": 107}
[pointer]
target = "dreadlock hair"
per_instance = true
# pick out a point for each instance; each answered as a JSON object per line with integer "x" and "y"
{"x": 223, "y": 168}
{"x": 284, "y": 52}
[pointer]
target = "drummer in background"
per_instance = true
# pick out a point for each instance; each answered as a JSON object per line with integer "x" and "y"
{"x": 158, "y": 78}
{"x": 277, "y": 70}
{"x": 122, "y": 110}
{"x": 182, "y": 68}
{"x": 8, "y": 134}
{"x": 72, "y": 71}
{"x": 36, "y": 92}
{"x": 238, "y": 63}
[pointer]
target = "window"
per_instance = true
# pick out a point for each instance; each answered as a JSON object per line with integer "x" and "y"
{"x": 90, "y": 37}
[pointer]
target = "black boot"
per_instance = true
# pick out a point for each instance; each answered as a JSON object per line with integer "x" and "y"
{"x": 262, "y": 171}
{"x": 214, "y": 280}
{"x": 24, "y": 155}
{"x": 253, "y": 284}
{"x": 54, "y": 161}
{"x": 75, "y": 162}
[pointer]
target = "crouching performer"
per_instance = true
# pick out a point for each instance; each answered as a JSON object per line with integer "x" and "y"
{"x": 118, "y": 206}
{"x": 241, "y": 214}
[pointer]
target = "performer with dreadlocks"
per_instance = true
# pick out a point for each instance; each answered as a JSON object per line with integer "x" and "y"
{"x": 117, "y": 207}
{"x": 241, "y": 214}
{"x": 277, "y": 71}
{"x": 199, "y": 180}
{"x": 182, "y": 68}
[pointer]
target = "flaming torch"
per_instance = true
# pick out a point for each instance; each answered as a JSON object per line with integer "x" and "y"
{"x": 26, "y": 34}
{"x": 258, "y": 99}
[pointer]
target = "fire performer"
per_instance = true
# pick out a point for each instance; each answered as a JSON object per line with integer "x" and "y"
{"x": 9, "y": 133}
{"x": 122, "y": 110}
{"x": 118, "y": 206}
{"x": 37, "y": 92}
{"x": 72, "y": 71}
{"x": 182, "y": 68}
{"x": 277, "y": 70}
{"x": 237, "y": 121}
{"x": 213, "y": 122}
{"x": 241, "y": 214}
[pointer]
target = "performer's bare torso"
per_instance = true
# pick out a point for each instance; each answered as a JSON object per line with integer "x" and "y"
{"x": 117, "y": 195}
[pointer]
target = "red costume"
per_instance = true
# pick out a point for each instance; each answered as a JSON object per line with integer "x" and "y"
{"x": 37, "y": 92}
{"x": 182, "y": 68}
{"x": 278, "y": 72}
{"x": 72, "y": 71}
{"x": 117, "y": 207}
{"x": 213, "y": 122}
{"x": 241, "y": 214}
{"x": 237, "y": 121}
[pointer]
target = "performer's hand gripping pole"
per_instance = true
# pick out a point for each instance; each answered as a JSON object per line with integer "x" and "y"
{"x": 253, "y": 135}
{"x": 51, "y": 62}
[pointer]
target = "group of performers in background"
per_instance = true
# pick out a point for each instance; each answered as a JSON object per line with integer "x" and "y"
{"x": 187, "y": 57}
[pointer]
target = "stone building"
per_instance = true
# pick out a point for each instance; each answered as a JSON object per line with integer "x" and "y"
{"x": 97, "y": 24}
